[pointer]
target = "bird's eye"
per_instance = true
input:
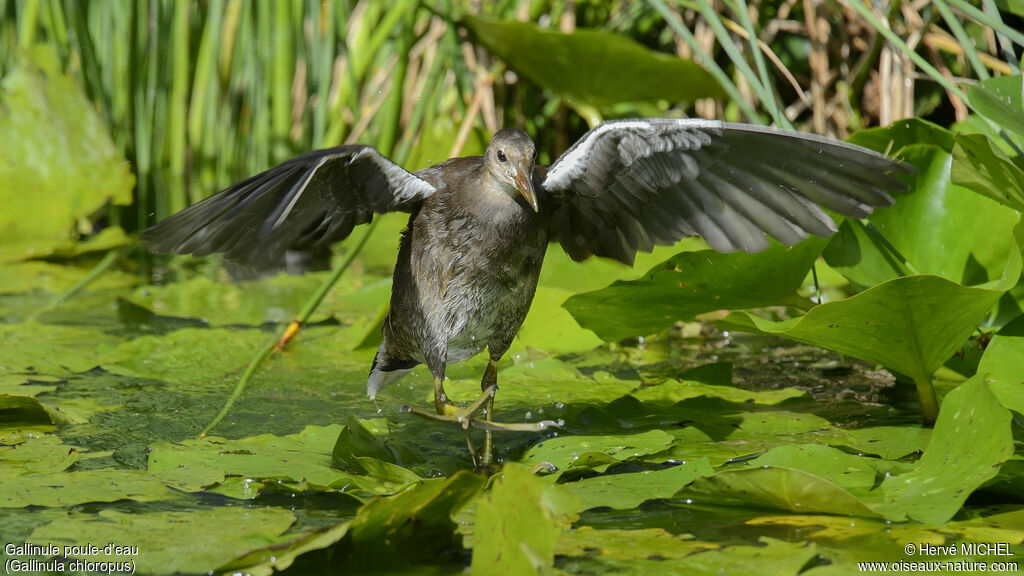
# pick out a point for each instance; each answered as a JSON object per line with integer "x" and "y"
{"x": 501, "y": 156}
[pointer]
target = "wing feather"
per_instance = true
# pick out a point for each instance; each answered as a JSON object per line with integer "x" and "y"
{"x": 305, "y": 203}
{"x": 628, "y": 185}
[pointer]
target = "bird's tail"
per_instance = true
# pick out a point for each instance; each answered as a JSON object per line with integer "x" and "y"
{"x": 386, "y": 370}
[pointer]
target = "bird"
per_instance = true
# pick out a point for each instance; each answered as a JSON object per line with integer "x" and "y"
{"x": 479, "y": 226}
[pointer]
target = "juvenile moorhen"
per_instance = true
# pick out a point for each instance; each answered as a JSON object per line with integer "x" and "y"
{"x": 479, "y": 227}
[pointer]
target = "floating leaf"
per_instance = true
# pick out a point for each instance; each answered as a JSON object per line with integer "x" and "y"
{"x": 999, "y": 100}
{"x": 650, "y": 543}
{"x": 564, "y": 451}
{"x": 678, "y": 390}
{"x": 939, "y": 227}
{"x": 189, "y": 356}
{"x": 979, "y": 166}
{"x": 778, "y": 487}
{"x": 44, "y": 455}
{"x": 911, "y": 324}
{"x": 58, "y": 164}
{"x": 548, "y": 381}
{"x": 770, "y": 557}
{"x": 518, "y": 522}
{"x": 1002, "y": 365}
{"x": 972, "y": 439}
{"x": 842, "y": 469}
{"x": 692, "y": 283}
{"x": 629, "y": 490}
{"x": 355, "y": 300}
{"x": 35, "y": 348}
{"x": 16, "y": 411}
{"x": 414, "y": 524}
{"x": 303, "y": 459}
{"x": 102, "y": 485}
{"x": 194, "y": 542}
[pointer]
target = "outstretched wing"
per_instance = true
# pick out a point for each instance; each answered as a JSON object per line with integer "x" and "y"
{"x": 628, "y": 185}
{"x": 305, "y": 203}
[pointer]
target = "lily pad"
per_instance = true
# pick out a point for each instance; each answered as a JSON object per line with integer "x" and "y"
{"x": 565, "y": 451}
{"x": 548, "y": 381}
{"x": 979, "y": 166}
{"x": 770, "y": 557}
{"x": 1002, "y": 365}
{"x": 649, "y": 543}
{"x": 911, "y": 324}
{"x": 44, "y": 455}
{"x": 193, "y": 542}
{"x": 999, "y": 100}
{"x": 939, "y": 227}
{"x": 190, "y": 356}
{"x": 30, "y": 348}
{"x": 56, "y": 146}
{"x": 678, "y": 390}
{"x": 778, "y": 487}
{"x": 972, "y": 439}
{"x": 629, "y": 490}
{"x": 842, "y": 469}
{"x": 692, "y": 283}
{"x": 303, "y": 459}
{"x": 518, "y": 522}
{"x": 102, "y": 485}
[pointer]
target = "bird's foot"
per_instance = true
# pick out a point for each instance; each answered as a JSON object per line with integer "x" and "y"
{"x": 466, "y": 418}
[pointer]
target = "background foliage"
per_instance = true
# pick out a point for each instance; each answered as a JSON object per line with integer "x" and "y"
{"x": 685, "y": 446}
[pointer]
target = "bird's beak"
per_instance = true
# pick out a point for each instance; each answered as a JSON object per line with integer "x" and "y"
{"x": 524, "y": 183}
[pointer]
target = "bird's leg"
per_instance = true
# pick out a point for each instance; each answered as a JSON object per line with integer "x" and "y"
{"x": 488, "y": 385}
{"x": 470, "y": 416}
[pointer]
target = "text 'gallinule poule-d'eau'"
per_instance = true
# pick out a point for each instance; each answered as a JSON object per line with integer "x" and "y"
{"x": 469, "y": 260}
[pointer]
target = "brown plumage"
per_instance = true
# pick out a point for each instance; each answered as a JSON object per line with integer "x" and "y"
{"x": 469, "y": 261}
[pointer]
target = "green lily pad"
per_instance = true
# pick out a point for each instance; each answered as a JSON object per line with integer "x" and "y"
{"x": 354, "y": 300}
{"x": 565, "y": 451}
{"x": 649, "y": 543}
{"x": 777, "y": 487}
{"x": 692, "y": 283}
{"x": 29, "y": 348}
{"x": 770, "y": 557}
{"x": 592, "y": 67}
{"x": 999, "y": 100}
{"x": 190, "y": 356}
{"x": 1002, "y": 365}
{"x": 629, "y": 490}
{"x": 911, "y": 324}
{"x": 842, "y": 469}
{"x": 518, "y": 522}
{"x": 56, "y": 146}
{"x": 194, "y": 542}
{"x": 979, "y": 166}
{"x": 678, "y": 390}
{"x": 414, "y": 524}
{"x": 972, "y": 439}
{"x": 102, "y": 485}
{"x": 548, "y": 381}
{"x": 939, "y": 227}
{"x": 16, "y": 411}
{"x": 44, "y": 455}
{"x": 903, "y": 133}
{"x": 56, "y": 278}
{"x": 303, "y": 459}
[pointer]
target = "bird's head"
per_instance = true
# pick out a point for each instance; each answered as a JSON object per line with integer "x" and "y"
{"x": 509, "y": 159}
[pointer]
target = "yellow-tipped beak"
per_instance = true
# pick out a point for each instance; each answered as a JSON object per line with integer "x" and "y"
{"x": 525, "y": 186}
